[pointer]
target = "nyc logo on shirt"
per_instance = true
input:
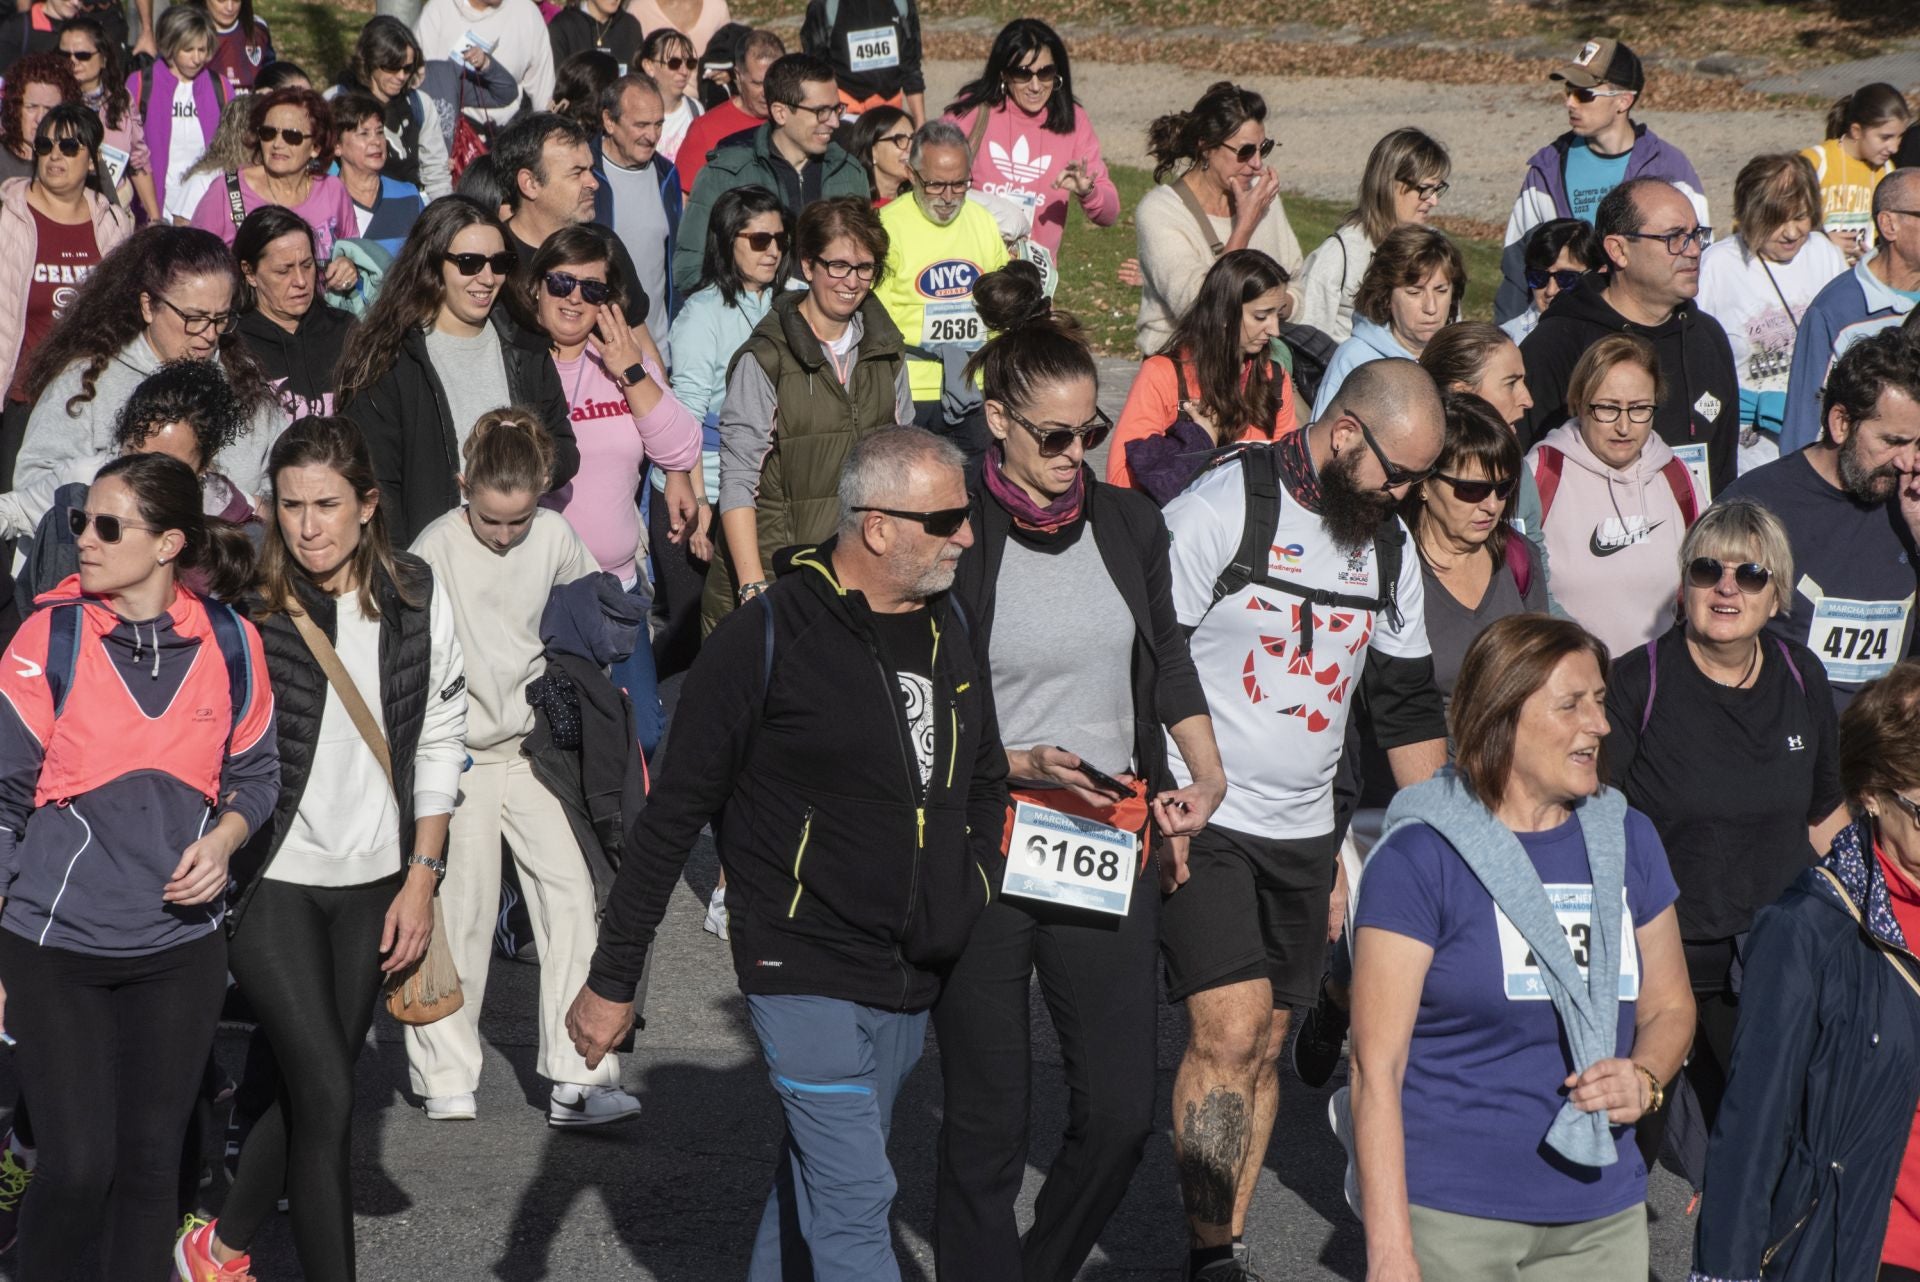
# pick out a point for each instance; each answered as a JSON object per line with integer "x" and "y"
{"x": 949, "y": 278}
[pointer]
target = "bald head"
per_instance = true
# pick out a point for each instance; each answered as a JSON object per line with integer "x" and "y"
{"x": 1399, "y": 403}
{"x": 1898, "y": 190}
{"x": 1899, "y": 232}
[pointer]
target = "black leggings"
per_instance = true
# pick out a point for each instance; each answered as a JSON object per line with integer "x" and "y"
{"x": 1099, "y": 981}
{"x": 308, "y": 959}
{"x": 111, "y": 1052}
{"x": 678, "y": 580}
{"x": 1718, "y": 1011}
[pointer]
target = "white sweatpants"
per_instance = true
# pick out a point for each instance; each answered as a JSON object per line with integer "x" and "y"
{"x": 499, "y": 799}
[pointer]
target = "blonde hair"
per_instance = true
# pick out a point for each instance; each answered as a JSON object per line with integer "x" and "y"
{"x": 509, "y": 452}
{"x": 1598, "y": 361}
{"x": 1740, "y": 529}
{"x": 1404, "y": 158}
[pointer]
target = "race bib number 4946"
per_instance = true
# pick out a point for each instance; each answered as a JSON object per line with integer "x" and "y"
{"x": 873, "y": 49}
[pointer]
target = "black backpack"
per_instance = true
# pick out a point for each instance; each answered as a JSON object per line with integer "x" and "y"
{"x": 1260, "y": 473}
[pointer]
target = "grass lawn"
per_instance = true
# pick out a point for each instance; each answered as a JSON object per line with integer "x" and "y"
{"x": 1090, "y": 255}
{"x": 317, "y": 37}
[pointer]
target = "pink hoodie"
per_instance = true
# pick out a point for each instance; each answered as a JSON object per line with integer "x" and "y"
{"x": 1613, "y": 540}
{"x": 1020, "y": 160}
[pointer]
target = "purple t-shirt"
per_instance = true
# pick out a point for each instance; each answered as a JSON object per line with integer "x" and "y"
{"x": 1484, "y": 1070}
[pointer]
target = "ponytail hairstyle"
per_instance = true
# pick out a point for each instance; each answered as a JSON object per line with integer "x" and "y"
{"x": 1207, "y": 341}
{"x": 330, "y": 441}
{"x": 1867, "y": 106}
{"x": 509, "y": 452}
{"x": 1181, "y": 139}
{"x": 1457, "y": 356}
{"x": 167, "y": 494}
{"x": 1033, "y": 345}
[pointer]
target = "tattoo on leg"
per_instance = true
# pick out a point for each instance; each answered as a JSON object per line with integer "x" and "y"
{"x": 1213, "y": 1143}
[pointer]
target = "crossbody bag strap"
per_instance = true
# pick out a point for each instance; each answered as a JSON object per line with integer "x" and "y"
{"x": 1192, "y": 202}
{"x": 1885, "y": 950}
{"x": 363, "y": 719}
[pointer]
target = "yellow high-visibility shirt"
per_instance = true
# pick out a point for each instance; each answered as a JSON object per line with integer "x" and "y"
{"x": 928, "y": 290}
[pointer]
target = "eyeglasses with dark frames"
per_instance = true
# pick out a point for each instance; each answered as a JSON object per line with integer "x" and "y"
{"x": 957, "y": 187}
{"x": 562, "y": 284}
{"x": 198, "y": 323}
{"x": 1609, "y": 412}
{"x": 1431, "y": 191}
{"x": 840, "y": 268}
{"x": 1397, "y": 476}
{"x": 1677, "y": 241}
{"x": 943, "y": 524}
{"x": 821, "y": 115}
{"x": 1055, "y": 441}
{"x": 1750, "y": 577}
{"x": 1909, "y": 805}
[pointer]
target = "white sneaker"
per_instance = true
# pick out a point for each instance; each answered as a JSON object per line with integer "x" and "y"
{"x": 571, "y": 1105}
{"x": 452, "y": 1108}
{"x": 1340, "y": 1117}
{"x": 716, "y": 922}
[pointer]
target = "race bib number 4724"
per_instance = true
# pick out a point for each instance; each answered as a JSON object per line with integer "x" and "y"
{"x": 1857, "y": 641}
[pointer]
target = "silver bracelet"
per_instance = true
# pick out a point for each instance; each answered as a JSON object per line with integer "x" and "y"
{"x": 439, "y": 866}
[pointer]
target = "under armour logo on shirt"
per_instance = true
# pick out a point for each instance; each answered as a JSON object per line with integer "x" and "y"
{"x": 1794, "y": 743}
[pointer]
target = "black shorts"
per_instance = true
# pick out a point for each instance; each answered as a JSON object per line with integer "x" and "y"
{"x": 1252, "y": 908}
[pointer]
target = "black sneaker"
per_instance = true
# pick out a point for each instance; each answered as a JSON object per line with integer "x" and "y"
{"x": 1317, "y": 1044}
{"x": 1238, "y": 1269}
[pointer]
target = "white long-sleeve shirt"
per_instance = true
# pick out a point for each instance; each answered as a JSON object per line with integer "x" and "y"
{"x": 515, "y": 31}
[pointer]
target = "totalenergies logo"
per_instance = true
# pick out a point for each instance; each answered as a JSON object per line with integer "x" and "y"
{"x": 1288, "y": 554}
{"x": 950, "y": 278}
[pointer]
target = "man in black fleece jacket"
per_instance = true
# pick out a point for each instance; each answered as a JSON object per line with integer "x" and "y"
{"x": 1652, "y": 240}
{"x": 822, "y": 731}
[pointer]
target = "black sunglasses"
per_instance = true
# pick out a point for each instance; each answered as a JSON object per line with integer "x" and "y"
{"x": 292, "y": 137}
{"x": 1749, "y": 577}
{"x": 1055, "y": 441}
{"x": 562, "y": 284}
{"x": 45, "y": 146}
{"x": 1021, "y": 75}
{"x": 1246, "y": 153}
{"x": 1397, "y": 476}
{"x": 109, "y": 528}
{"x": 761, "y": 241}
{"x": 81, "y": 55}
{"x": 502, "y": 263}
{"x": 1477, "y": 491}
{"x": 941, "y": 525}
{"x": 672, "y": 64}
{"x": 404, "y": 69}
{"x": 1565, "y": 279}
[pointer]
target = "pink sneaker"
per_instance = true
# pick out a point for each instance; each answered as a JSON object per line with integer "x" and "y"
{"x": 193, "y": 1256}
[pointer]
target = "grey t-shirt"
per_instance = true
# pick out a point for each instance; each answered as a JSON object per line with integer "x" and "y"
{"x": 474, "y": 373}
{"x": 1062, "y": 654}
{"x": 640, "y": 221}
{"x": 1452, "y": 627}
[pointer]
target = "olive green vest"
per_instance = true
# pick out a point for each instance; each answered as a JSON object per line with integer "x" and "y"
{"x": 819, "y": 420}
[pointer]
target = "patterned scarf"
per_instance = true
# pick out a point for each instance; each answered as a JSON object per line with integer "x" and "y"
{"x": 1028, "y": 515}
{"x": 1297, "y": 471}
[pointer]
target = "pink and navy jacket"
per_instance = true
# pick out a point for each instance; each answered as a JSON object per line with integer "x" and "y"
{"x": 98, "y": 803}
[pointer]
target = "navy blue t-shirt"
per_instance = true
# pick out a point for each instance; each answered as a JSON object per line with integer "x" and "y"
{"x": 1853, "y": 568}
{"x": 1485, "y": 1067}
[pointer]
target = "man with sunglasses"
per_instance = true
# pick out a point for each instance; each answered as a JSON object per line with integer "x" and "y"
{"x": 822, "y": 730}
{"x": 1850, "y": 503}
{"x": 639, "y": 197}
{"x": 1650, "y": 241}
{"x": 793, "y": 156}
{"x": 940, "y": 243}
{"x": 874, "y": 46}
{"x": 1877, "y": 294}
{"x": 1293, "y": 616}
{"x": 1601, "y": 149}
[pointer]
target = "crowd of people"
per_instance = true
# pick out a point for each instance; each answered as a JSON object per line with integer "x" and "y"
{"x": 376, "y": 442}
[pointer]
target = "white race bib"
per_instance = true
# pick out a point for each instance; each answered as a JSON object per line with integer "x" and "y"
{"x": 1573, "y": 905}
{"x": 116, "y": 163}
{"x": 952, "y": 322}
{"x": 468, "y": 40}
{"x": 874, "y": 49}
{"x": 1857, "y": 641}
{"x": 1064, "y": 859}
{"x": 1694, "y": 458}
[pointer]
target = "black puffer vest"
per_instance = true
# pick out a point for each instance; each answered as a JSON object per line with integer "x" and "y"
{"x": 300, "y": 696}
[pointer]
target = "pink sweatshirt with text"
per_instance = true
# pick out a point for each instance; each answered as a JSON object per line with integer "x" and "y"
{"x": 1020, "y": 160}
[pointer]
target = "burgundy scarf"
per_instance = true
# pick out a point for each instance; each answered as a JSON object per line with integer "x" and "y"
{"x": 1026, "y": 514}
{"x": 1297, "y": 472}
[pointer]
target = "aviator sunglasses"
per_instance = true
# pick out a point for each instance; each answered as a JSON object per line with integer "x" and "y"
{"x": 109, "y": 528}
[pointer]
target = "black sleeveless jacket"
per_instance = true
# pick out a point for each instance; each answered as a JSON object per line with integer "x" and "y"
{"x": 300, "y": 696}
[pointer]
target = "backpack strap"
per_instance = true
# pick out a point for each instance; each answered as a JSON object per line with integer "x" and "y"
{"x": 219, "y": 88}
{"x": 1192, "y": 202}
{"x": 1260, "y": 476}
{"x": 63, "y": 652}
{"x": 235, "y": 205}
{"x": 1547, "y": 477}
{"x": 1653, "y": 683}
{"x": 1680, "y": 481}
{"x": 1179, "y": 383}
{"x": 1519, "y": 558}
{"x": 146, "y": 88}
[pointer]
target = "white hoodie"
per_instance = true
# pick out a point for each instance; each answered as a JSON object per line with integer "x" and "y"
{"x": 1614, "y": 537}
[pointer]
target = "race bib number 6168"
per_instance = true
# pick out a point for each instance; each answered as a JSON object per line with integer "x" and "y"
{"x": 1067, "y": 859}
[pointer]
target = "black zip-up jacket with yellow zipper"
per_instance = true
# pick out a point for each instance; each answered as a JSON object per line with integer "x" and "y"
{"x": 846, "y": 877}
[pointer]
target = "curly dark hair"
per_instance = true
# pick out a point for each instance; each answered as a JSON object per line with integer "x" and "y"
{"x": 105, "y": 316}
{"x": 319, "y": 121}
{"x": 47, "y": 68}
{"x": 113, "y": 69}
{"x": 196, "y": 393}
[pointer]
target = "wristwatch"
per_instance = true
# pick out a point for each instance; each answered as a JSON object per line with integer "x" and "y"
{"x": 1656, "y": 1093}
{"x": 633, "y": 374}
{"x": 439, "y": 866}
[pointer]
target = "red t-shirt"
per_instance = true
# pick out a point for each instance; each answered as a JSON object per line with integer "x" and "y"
{"x": 64, "y": 256}
{"x": 1902, "y": 1245}
{"x": 705, "y": 135}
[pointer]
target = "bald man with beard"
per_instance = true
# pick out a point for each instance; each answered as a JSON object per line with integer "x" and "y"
{"x": 1284, "y": 643}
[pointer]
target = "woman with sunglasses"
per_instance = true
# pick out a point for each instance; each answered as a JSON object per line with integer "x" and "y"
{"x": 295, "y": 335}
{"x": 99, "y": 68}
{"x": 422, "y": 100}
{"x": 35, "y": 85}
{"x": 668, "y": 56}
{"x": 434, "y": 353}
{"x": 1403, "y": 183}
{"x": 1615, "y": 501}
{"x": 54, "y": 230}
{"x": 1215, "y": 383}
{"x": 1414, "y": 287}
{"x": 1759, "y": 282}
{"x": 625, "y": 420}
{"x": 698, "y": 20}
{"x": 1069, "y": 592}
{"x": 164, "y": 294}
{"x": 1724, "y": 735}
{"x": 824, "y": 368}
{"x": 294, "y": 132}
{"x": 1558, "y": 253}
{"x": 746, "y": 255}
{"x": 881, "y": 140}
{"x": 1224, "y": 197}
{"x": 1032, "y": 142}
